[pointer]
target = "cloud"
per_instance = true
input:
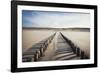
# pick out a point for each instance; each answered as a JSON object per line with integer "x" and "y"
{"x": 56, "y": 19}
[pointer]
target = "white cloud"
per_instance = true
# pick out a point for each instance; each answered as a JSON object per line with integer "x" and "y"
{"x": 61, "y": 20}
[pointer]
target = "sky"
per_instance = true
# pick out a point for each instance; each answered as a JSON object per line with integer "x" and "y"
{"x": 51, "y": 19}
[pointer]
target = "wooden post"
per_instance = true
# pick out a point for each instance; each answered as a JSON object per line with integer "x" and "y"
{"x": 82, "y": 54}
{"x": 78, "y": 51}
{"x": 41, "y": 51}
{"x": 36, "y": 56}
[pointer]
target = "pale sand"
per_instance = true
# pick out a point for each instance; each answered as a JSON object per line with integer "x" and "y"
{"x": 30, "y": 37}
{"x": 81, "y": 39}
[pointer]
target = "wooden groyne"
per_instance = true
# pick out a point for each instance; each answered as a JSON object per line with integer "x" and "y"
{"x": 37, "y": 50}
{"x": 64, "y": 49}
{"x": 77, "y": 50}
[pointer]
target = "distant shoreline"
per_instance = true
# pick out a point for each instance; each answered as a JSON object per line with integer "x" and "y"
{"x": 71, "y": 29}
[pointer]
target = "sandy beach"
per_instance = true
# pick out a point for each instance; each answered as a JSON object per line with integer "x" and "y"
{"x": 79, "y": 38}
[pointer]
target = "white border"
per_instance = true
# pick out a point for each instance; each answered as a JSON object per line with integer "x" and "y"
{"x": 53, "y": 63}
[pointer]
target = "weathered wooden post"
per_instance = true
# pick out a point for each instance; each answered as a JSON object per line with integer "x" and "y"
{"x": 41, "y": 51}
{"x": 36, "y": 56}
{"x": 74, "y": 48}
{"x": 78, "y": 51}
{"x": 82, "y": 55}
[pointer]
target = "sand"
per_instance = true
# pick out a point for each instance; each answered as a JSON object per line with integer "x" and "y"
{"x": 30, "y": 37}
{"x": 80, "y": 38}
